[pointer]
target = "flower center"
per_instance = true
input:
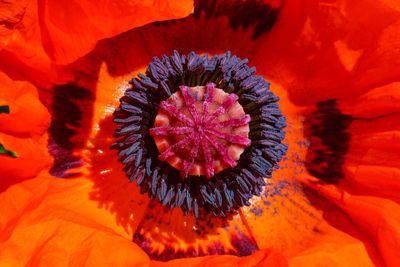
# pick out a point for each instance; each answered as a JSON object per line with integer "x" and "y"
{"x": 191, "y": 117}
{"x": 201, "y": 130}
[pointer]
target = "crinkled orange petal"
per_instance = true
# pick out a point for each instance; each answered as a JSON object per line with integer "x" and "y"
{"x": 262, "y": 258}
{"x": 337, "y": 250}
{"x": 376, "y": 103}
{"x": 320, "y": 49}
{"x": 28, "y": 117}
{"x": 373, "y": 180}
{"x": 73, "y": 28}
{"x": 377, "y": 218}
{"x": 376, "y": 111}
{"x": 32, "y": 157}
{"x": 169, "y": 35}
{"x": 10, "y": 15}
{"x": 38, "y": 33}
{"x": 77, "y": 226}
{"x": 372, "y": 163}
{"x": 380, "y": 149}
{"x": 23, "y": 131}
{"x": 21, "y": 49}
{"x": 69, "y": 227}
{"x": 313, "y": 49}
{"x": 45, "y": 221}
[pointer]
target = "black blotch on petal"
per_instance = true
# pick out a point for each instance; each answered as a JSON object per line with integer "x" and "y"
{"x": 249, "y": 13}
{"x": 68, "y": 129}
{"x": 326, "y": 129}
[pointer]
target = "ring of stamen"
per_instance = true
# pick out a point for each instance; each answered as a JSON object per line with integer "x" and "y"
{"x": 216, "y": 191}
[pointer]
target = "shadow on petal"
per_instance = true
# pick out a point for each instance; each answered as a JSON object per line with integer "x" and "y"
{"x": 163, "y": 233}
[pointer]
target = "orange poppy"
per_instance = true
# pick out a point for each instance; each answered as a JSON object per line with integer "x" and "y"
{"x": 65, "y": 199}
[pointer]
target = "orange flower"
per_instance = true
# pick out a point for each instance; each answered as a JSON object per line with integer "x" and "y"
{"x": 65, "y": 199}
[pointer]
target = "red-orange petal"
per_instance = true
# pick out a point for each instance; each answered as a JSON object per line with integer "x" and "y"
{"x": 28, "y": 117}
{"x": 23, "y": 131}
{"x": 43, "y": 33}
{"x": 345, "y": 58}
{"x": 377, "y": 218}
{"x": 319, "y": 49}
{"x": 372, "y": 163}
{"x": 32, "y": 157}
{"x": 70, "y": 227}
{"x": 47, "y": 220}
{"x": 262, "y": 258}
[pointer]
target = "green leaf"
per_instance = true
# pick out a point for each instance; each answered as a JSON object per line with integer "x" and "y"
{"x": 4, "y": 151}
{"x": 5, "y": 109}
